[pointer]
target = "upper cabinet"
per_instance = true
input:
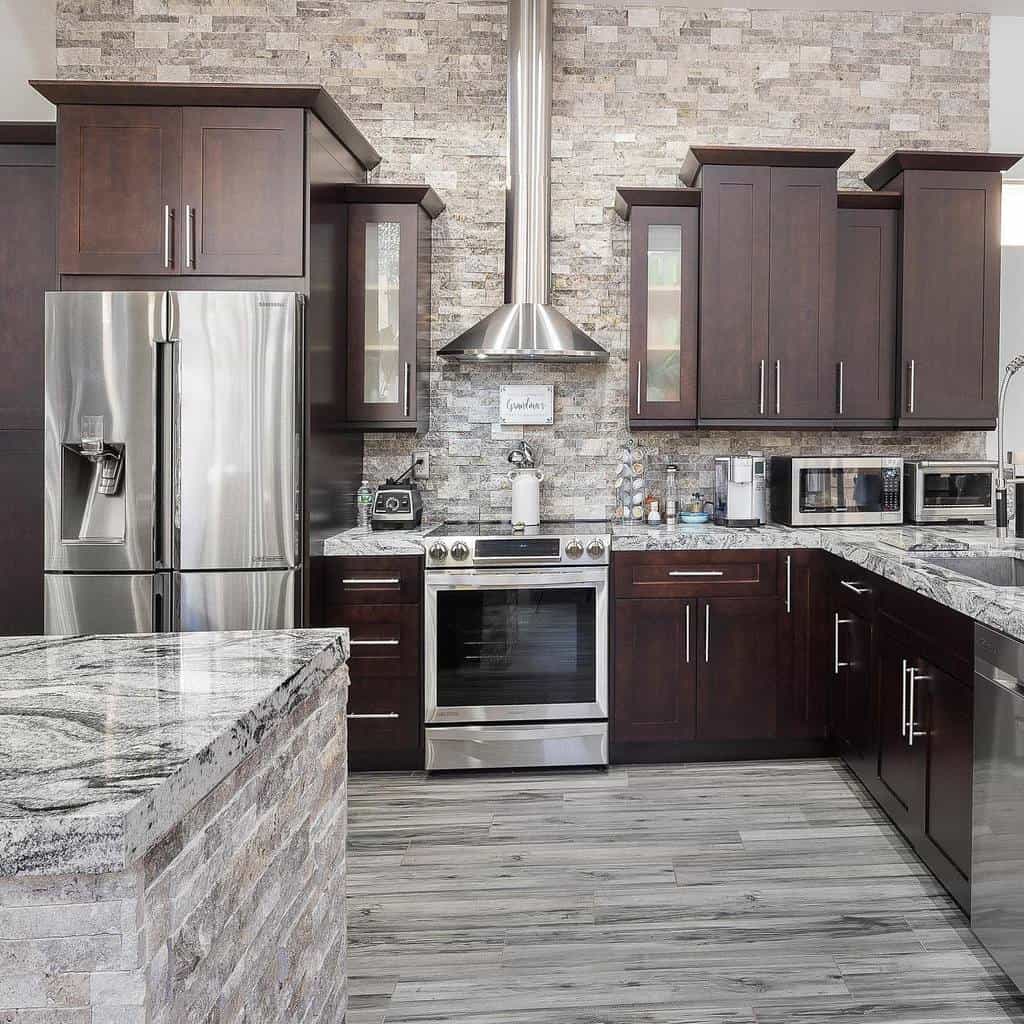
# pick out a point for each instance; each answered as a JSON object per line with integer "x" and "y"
{"x": 664, "y": 232}
{"x": 191, "y": 180}
{"x": 866, "y": 309}
{"x": 769, "y": 229}
{"x": 949, "y": 296}
{"x": 389, "y": 252}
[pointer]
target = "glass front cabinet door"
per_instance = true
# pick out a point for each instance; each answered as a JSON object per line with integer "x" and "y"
{"x": 663, "y": 316}
{"x": 388, "y": 315}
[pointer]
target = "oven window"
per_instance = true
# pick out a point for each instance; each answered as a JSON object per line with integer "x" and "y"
{"x": 841, "y": 490}
{"x": 516, "y": 646}
{"x": 957, "y": 490}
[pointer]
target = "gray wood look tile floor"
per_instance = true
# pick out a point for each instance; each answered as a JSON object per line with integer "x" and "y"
{"x": 721, "y": 894}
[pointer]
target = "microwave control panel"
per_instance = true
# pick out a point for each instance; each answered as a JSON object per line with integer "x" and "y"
{"x": 892, "y": 485}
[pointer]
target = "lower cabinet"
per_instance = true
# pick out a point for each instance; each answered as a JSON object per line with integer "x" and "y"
{"x": 378, "y": 600}
{"x": 719, "y": 661}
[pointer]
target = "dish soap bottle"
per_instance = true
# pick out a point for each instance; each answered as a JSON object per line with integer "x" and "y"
{"x": 364, "y": 499}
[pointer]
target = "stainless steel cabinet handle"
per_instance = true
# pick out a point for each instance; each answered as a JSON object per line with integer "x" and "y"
{"x": 789, "y": 584}
{"x": 839, "y": 664}
{"x": 842, "y": 368}
{"x": 406, "y": 403}
{"x": 373, "y": 643}
{"x": 190, "y": 253}
{"x": 851, "y": 585}
{"x": 168, "y": 241}
{"x": 778, "y": 386}
{"x": 707, "y": 634}
{"x": 696, "y": 572}
{"x": 904, "y": 727}
{"x": 639, "y": 383}
{"x": 761, "y": 399}
{"x": 390, "y": 714}
{"x": 687, "y": 634}
{"x": 393, "y": 580}
{"x": 913, "y": 385}
{"x": 912, "y": 733}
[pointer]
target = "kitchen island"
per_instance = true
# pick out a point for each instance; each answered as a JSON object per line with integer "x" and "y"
{"x": 172, "y": 827}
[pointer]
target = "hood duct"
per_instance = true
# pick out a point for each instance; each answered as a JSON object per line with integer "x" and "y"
{"x": 526, "y": 327}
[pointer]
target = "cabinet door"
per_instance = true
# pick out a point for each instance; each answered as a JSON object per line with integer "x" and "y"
{"x": 28, "y": 264}
{"x": 802, "y": 711}
{"x": 734, "y": 292}
{"x": 120, "y": 186}
{"x": 899, "y": 762}
{"x": 851, "y": 705}
{"x": 655, "y": 671}
{"x": 663, "y": 315}
{"x": 866, "y": 317}
{"x": 242, "y": 190}
{"x": 382, "y": 314}
{"x": 737, "y": 659}
{"x": 801, "y": 322}
{"x": 945, "y": 709}
{"x": 950, "y": 306}
{"x": 21, "y": 532}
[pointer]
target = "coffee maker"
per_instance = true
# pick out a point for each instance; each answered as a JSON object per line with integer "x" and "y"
{"x": 739, "y": 490}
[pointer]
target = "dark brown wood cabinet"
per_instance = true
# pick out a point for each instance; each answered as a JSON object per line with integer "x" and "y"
{"x": 950, "y": 277}
{"x": 655, "y": 659}
{"x": 389, "y": 254}
{"x": 242, "y": 191}
{"x": 769, "y": 228}
{"x": 379, "y": 600}
{"x": 898, "y": 765}
{"x": 120, "y": 189}
{"x": 664, "y": 231}
{"x": 866, "y": 310}
{"x": 28, "y": 212}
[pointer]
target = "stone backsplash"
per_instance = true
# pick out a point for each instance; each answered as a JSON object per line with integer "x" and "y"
{"x": 633, "y": 86}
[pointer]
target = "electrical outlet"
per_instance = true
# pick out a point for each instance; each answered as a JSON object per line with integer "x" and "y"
{"x": 422, "y": 470}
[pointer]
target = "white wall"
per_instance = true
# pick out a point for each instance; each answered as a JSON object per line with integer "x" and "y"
{"x": 1006, "y": 129}
{"x": 28, "y": 49}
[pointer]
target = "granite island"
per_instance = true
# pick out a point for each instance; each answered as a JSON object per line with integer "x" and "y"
{"x": 172, "y": 827}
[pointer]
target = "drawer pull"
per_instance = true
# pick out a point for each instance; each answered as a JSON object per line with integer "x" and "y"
{"x": 393, "y": 581}
{"x": 696, "y": 572}
{"x": 851, "y": 585}
{"x": 373, "y": 643}
{"x": 389, "y": 714}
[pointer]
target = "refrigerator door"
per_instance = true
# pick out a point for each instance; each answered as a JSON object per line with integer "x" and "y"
{"x": 101, "y": 389}
{"x": 84, "y": 604}
{"x": 214, "y": 601}
{"x": 237, "y": 430}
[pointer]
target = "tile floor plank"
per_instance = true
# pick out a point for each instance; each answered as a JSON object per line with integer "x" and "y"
{"x": 755, "y": 893}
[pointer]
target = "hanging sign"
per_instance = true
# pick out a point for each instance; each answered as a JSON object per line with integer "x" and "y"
{"x": 526, "y": 403}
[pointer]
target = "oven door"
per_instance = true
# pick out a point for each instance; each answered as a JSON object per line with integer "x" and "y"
{"x": 527, "y": 645}
{"x": 945, "y": 493}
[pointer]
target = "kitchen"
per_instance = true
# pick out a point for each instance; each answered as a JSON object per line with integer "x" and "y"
{"x": 774, "y": 838}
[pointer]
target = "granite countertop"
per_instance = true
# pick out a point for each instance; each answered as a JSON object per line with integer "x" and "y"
{"x": 364, "y": 541}
{"x": 106, "y": 742}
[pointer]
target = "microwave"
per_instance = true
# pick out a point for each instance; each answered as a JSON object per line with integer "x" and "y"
{"x": 856, "y": 490}
{"x": 950, "y": 492}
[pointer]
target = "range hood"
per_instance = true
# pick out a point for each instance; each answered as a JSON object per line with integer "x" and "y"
{"x": 526, "y": 327}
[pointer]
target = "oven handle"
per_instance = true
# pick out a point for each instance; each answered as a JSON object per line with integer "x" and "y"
{"x": 473, "y": 579}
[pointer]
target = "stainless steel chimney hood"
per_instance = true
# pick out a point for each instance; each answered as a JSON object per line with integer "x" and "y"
{"x": 526, "y": 327}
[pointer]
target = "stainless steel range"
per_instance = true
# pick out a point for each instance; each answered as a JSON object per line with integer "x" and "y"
{"x": 517, "y": 645}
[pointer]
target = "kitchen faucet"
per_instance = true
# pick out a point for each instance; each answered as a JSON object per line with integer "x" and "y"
{"x": 1002, "y": 510}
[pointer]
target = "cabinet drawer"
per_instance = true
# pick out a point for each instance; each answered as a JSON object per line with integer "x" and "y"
{"x": 695, "y": 574}
{"x": 384, "y": 723}
{"x": 385, "y": 639}
{"x": 854, "y": 588}
{"x": 373, "y": 579}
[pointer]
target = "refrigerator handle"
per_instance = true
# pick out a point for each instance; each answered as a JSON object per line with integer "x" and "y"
{"x": 168, "y": 320}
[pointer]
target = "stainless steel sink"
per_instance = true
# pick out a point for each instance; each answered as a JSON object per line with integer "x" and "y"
{"x": 998, "y": 570}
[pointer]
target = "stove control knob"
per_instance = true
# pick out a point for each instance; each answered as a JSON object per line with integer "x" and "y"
{"x": 595, "y": 548}
{"x": 460, "y": 551}
{"x": 574, "y": 548}
{"x": 438, "y": 551}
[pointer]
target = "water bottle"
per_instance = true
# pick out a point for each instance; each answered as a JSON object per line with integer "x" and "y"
{"x": 364, "y": 501}
{"x": 671, "y": 494}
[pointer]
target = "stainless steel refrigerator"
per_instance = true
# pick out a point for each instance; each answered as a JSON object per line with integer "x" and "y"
{"x": 174, "y": 476}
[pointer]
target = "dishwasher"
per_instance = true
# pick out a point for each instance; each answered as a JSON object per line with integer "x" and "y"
{"x": 997, "y": 854}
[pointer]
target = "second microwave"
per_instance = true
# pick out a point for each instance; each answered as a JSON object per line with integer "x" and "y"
{"x": 855, "y": 490}
{"x": 950, "y": 492}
